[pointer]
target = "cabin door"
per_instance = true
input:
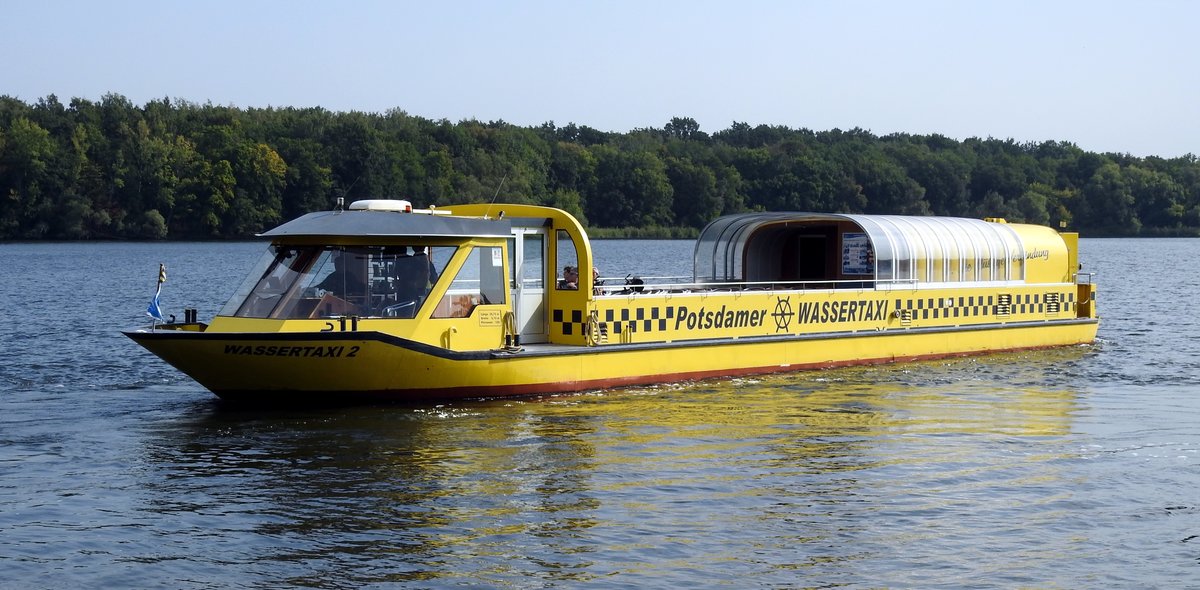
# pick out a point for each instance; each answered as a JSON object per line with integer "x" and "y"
{"x": 527, "y": 268}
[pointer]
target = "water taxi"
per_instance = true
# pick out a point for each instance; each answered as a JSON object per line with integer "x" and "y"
{"x": 381, "y": 301}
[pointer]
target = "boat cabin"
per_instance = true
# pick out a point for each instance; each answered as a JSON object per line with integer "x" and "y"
{"x": 815, "y": 250}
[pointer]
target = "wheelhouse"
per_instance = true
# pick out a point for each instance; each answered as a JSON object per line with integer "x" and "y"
{"x": 389, "y": 263}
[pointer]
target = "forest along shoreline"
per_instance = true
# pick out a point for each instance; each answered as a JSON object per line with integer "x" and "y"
{"x": 173, "y": 169}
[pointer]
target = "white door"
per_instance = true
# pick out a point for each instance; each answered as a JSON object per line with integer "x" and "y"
{"x": 527, "y": 263}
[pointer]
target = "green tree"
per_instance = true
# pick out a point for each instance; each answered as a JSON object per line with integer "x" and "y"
{"x": 26, "y": 152}
{"x": 1159, "y": 199}
{"x": 939, "y": 167}
{"x": 216, "y": 187}
{"x": 309, "y": 180}
{"x": 259, "y": 175}
{"x": 1107, "y": 204}
{"x": 697, "y": 199}
{"x": 1035, "y": 204}
{"x": 632, "y": 189}
{"x": 685, "y": 128}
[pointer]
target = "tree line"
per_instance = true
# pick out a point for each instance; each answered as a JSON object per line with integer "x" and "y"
{"x": 173, "y": 169}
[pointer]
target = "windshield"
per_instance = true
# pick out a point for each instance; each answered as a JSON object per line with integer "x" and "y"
{"x": 330, "y": 281}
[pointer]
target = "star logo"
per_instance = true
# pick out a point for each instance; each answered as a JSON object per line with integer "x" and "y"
{"x": 783, "y": 314}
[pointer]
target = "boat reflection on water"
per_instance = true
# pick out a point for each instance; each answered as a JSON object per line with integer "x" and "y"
{"x": 802, "y": 469}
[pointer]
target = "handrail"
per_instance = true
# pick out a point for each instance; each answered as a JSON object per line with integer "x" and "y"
{"x": 658, "y": 287}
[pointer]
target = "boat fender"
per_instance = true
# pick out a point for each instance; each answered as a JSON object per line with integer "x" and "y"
{"x": 593, "y": 328}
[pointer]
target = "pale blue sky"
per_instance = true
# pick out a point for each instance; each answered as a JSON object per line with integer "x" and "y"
{"x": 1108, "y": 76}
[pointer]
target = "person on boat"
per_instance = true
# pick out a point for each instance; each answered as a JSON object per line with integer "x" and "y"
{"x": 570, "y": 278}
{"x": 596, "y": 282}
{"x": 347, "y": 279}
{"x": 433, "y": 273}
{"x": 411, "y": 283}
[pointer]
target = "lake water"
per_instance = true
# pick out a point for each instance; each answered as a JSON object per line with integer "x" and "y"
{"x": 1072, "y": 468}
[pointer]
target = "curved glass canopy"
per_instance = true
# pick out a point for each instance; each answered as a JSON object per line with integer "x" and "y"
{"x": 908, "y": 249}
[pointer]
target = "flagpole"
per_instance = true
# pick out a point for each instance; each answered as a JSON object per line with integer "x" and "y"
{"x": 155, "y": 319}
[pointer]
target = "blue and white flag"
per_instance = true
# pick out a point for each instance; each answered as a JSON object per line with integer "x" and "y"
{"x": 155, "y": 311}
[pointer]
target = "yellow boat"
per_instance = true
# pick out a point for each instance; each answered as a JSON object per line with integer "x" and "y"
{"x": 383, "y": 302}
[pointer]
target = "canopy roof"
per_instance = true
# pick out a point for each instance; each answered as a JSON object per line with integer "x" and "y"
{"x": 903, "y": 248}
{"x": 366, "y": 223}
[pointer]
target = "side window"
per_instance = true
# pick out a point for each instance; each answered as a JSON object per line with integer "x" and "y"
{"x": 568, "y": 262}
{"x": 491, "y": 274}
{"x": 480, "y": 281}
{"x": 533, "y": 265}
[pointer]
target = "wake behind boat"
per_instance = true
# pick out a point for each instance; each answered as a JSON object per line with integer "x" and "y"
{"x": 384, "y": 302}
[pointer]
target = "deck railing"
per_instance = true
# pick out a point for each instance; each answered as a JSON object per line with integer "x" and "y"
{"x": 651, "y": 285}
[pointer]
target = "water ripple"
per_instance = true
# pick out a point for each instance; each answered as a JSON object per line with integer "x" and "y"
{"x": 1051, "y": 469}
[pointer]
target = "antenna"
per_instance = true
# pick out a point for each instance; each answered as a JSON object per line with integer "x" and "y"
{"x": 494, "y": 195}
{"x": 341, "y": 200}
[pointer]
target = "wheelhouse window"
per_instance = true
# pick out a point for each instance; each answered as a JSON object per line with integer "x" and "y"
{"x": 479, "y": 281}
{"x": 330, "y": 281}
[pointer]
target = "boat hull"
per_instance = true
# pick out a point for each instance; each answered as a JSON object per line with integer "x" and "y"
{"x": 349, "y": 367}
